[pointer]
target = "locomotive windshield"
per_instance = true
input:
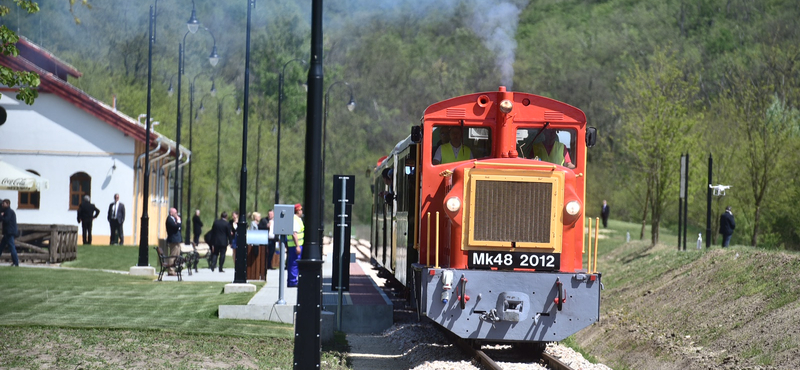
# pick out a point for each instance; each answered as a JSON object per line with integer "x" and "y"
{"x": 551, "y": 145}
{"x": 457, "y": 143}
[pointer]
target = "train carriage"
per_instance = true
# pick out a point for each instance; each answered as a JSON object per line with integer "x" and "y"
{"x": 480, "y": 214}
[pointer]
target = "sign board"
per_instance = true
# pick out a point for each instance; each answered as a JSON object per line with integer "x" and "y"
{"x": 349, "y": 183}
{"x": 257, "y": 237}
{"x": 343, "y": 192}
{"x": 284, "y": 219}
{"x": 683, "y": 177}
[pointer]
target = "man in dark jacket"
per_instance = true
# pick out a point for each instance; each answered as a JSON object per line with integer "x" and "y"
{"x": 221, "y": 232}
{"x": 174, "y": 235}
{"x": 726, "y": 226}
{"x": 10, "y": 230}
{"x": 604, "y": 212}
{"x": 116, "y": 216}
{"x": 197, "y": 227}
{"x": 87, "y": 212}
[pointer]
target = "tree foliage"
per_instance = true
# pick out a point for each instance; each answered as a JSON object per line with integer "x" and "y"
{"x": 657, "y": 120}
{"x": 401, "y": 57}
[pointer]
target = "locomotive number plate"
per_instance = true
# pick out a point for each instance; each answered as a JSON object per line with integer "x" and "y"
{"x": 538, "y": 261}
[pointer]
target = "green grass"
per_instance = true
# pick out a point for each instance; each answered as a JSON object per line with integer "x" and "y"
{"x": 110, "y": 257}
{"x": 89, "y": 319}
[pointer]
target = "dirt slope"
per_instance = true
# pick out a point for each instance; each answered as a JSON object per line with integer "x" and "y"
{"x": 735, "y": 308}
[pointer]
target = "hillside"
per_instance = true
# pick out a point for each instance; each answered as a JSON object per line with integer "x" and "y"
{"x": 736, "y": 308}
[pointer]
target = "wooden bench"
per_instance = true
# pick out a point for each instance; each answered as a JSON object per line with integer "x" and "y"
{"x": 167, "y": 262}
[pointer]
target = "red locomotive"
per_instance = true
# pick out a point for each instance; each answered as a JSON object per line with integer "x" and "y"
{"x": 480, "y": 213}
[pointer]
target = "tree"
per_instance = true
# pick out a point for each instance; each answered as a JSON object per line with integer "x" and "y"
{"x": 766, "y": 126}
{"x": 27, "y": 81}
{"x": 656, "y": 120}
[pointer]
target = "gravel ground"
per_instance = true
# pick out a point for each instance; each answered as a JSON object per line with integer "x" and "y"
{"x": 418, "y": 345}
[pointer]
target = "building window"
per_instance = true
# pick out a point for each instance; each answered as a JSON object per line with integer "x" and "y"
{"x": 29, "y": 199}
{"x": 80, "y": 184}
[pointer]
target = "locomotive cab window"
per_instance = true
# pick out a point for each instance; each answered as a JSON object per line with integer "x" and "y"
{"x": 551, "y": 145}
{"x": 457, "y": 143}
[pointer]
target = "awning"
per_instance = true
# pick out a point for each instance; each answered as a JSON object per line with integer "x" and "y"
{"x": 13, "y": 178}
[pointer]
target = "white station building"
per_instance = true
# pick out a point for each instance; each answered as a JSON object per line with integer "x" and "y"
{"x": 82, "y": 146}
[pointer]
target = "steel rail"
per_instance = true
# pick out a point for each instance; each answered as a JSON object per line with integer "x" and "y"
{"x": 478, "y": 354}
{"x": 553, "y": 362}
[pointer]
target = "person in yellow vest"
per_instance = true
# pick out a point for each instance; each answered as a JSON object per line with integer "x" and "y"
{"x": 295, "y": 246}
{"x": 551, "y": 150}
{"x": 453, "y": 151}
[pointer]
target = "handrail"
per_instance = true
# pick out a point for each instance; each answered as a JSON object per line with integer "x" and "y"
{"x": 552, "y": 167}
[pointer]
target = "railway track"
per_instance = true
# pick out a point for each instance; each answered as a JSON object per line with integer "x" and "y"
{"x": 487, "y": 362}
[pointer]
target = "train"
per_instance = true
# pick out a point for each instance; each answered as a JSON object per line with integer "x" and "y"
{"x": 480, "y": 214}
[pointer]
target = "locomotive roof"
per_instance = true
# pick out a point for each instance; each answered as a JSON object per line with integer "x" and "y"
{"x": 401, "y": 145}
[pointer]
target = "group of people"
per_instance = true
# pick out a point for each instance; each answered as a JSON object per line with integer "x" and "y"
{"x": 223, "y": 233}
{"x": 87, "y": 212}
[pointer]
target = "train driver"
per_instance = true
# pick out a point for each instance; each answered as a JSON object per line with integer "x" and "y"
{"x": 552, "y": 150}
{"x": 453, "y": 151}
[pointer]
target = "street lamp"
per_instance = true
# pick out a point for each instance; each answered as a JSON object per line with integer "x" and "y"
{"x": 213, "y": 92}
{"x": 350, "y": 106}
{"x": 213, "y": 59}
{"x": 144, "y": 229}
{"x": 144, "y": 239}
{"x": 240, "y": 274}
{"x": 278, "y": 152}
{"x": 220, "y": 102}
{"x": 309, "y": 287}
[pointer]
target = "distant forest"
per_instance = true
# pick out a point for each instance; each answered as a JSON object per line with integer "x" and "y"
{"x": 657, "y": 78}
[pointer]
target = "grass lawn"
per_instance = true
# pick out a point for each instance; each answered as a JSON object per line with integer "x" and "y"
{"x": 77, "y": 318}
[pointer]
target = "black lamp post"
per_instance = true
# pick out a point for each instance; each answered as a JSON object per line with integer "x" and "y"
{"x": 213, "y": 58}
{"x": 144, "y": 232}
{"x": 213, "y": 92}
{"x": 278, "y": 151}
{"x": 219, "y": 134}
{"x": 350, "y": 106}
{"x": 240, "y": 274}
{"x": 307, "y": 342}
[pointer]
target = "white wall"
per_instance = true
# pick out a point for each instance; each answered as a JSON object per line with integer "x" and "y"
{"x": 57, "y": 139}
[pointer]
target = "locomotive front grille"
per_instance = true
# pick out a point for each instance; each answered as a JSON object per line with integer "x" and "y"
{"x": 510, "y": 211}
{"x": 513, "y": 208}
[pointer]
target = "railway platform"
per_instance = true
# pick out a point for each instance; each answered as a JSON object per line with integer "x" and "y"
{"x": 365, "y": 307}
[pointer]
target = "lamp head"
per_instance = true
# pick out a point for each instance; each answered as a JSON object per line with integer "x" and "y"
{"x": 202, "y": 108}
{"x": 213, "y": 91}
{"x": 193, "y": 23}
{"x": 351, "y": 105}
{"x": 170, "y": 90}
{"x": 214, "y": 57}
{"x": 238, "y": 109}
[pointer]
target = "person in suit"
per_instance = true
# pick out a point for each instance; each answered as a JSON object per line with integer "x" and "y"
{"x": 87, "y": 212}
{"x": 197, "y": 226}
{"x": 116, "y": 216}
{"x": 604, "y": 213}
{"x": 726, "y": 226}
{"x": 174, "y": 235}
{"x": 221, "y": 232}
{"x": 10, "y": 230}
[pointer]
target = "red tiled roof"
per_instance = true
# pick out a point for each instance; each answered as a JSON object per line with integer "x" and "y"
{"x": 45, "y": 59}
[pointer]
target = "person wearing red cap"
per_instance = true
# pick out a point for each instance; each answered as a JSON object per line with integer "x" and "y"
{"x": 295, "y": 246}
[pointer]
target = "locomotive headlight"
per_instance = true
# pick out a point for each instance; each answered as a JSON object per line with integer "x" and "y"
{"x": 506, "y": 105}
{"x": 453, "y": 204}
{"x": 573, "y": 208}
